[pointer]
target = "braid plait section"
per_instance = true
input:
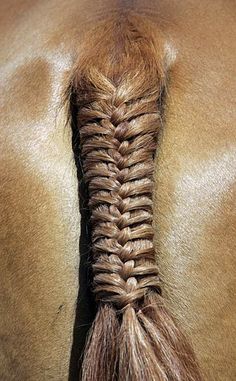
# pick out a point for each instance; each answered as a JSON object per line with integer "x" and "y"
{"x": 118, "y": 88}
{"x": 118, "y": 142}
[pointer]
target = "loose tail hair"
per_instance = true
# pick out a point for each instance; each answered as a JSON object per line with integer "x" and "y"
{"x": 118, "y": 86}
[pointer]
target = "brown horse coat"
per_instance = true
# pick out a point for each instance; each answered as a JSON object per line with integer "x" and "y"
{"x": 195, "y": 182}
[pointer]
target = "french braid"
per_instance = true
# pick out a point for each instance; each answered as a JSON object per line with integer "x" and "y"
{"x": 119, "y": 84}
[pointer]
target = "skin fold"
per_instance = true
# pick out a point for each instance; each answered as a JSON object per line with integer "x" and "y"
{"x": 195, "y": 213}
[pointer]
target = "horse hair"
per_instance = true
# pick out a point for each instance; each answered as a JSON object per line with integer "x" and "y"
{"x": 118, "y": 84}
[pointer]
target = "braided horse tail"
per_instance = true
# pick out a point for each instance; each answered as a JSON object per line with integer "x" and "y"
{"x": 118, "y": 86}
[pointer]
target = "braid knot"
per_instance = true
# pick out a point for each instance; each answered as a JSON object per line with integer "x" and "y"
{"x": 118, "y": 142}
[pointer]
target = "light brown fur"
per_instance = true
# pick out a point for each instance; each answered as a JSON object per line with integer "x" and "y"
{"x": 194, "y": 208}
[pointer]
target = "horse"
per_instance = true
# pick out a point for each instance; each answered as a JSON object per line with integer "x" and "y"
{"x": 172, "y": 65}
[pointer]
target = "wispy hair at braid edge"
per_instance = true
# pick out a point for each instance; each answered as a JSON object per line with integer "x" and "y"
{"x": 118, "y": 84}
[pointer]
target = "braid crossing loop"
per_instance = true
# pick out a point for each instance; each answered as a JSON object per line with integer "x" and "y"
{"x": 118, "y": 144}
